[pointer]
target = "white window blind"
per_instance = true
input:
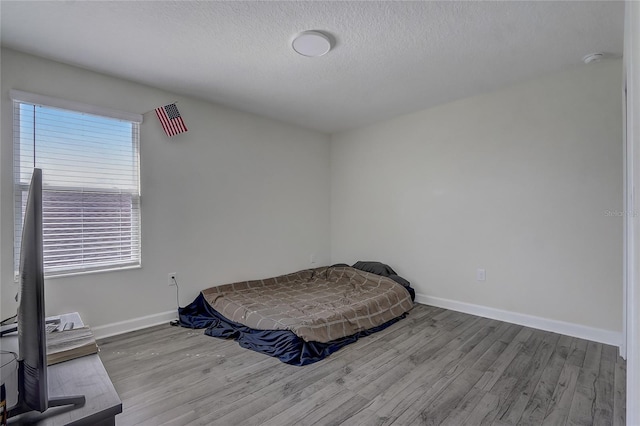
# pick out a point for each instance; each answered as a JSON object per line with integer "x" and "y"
{"x": 91, "y": 190}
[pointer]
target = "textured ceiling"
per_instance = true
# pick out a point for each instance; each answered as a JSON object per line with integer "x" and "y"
{"x": 389, "y": 58}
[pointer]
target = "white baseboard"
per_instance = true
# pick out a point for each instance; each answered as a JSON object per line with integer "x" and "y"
{"x": 555, "y": 326}
{"x": 570, "y": 329}
{"x": 120, "y": 327}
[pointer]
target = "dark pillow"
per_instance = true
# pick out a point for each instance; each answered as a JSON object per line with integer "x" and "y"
{"x": 400, "y": 280}
{"x": 377, "y": 268}
{"x": 406, "y": 284}
{"x": 338, "y": 265}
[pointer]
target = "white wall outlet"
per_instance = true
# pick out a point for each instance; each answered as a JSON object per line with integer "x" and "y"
{"x": 481, "y": 275}
{"x": 172, "y": 278}
{"x": 312, "y": 258}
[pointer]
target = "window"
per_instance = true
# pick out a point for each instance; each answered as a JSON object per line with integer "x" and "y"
{"x": 91, "y": 192}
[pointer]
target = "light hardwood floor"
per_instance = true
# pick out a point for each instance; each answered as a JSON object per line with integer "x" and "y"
{"x": 434, "y": 367}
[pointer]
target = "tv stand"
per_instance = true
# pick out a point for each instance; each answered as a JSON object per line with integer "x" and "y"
{"x": 80, "y": 376}
{"x": 21, "y": 407}
{"x": 87, "y": 376}
{"x": 78, "y": 401}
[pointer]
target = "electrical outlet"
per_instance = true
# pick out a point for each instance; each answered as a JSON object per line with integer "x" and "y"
{"x": 481, "y": 275}
{"x": 312, "y": 258}
{"x": 172, "y": 278}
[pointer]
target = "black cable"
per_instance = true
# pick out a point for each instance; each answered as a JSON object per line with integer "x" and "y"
{"x": 15, "y": 357}
{"x": 177, "y": 292}
{"x": 6, "y": 320}
{"x": 176, "y": 322}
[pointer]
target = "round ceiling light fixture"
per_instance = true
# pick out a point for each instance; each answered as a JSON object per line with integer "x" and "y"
{"x": 593, "y": 57}
{"x": 311, "y": 43}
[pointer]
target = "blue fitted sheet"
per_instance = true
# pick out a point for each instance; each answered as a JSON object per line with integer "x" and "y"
{"x": 281, "y": 344}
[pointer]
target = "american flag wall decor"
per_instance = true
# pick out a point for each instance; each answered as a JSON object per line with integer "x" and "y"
{"x": 171, "y": 120}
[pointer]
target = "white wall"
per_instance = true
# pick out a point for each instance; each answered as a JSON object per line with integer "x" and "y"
{"x": 237, "y": 197}
{"x": 517, "y": 182}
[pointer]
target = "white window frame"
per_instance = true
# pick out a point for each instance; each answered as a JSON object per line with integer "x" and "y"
{"x": 18, "y": 96}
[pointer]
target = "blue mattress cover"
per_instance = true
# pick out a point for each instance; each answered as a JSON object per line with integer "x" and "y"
{"x": 282, "y": 344}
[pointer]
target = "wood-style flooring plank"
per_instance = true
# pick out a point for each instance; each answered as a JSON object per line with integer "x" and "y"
{"x": 560, "y": 403}
{"x": 527, "y": 380}
{"x": 620, "y": 393}
{"x": 578, "y": 351}
{"x": 581, "y": 411}
{"x": 604, "y": 385}
{"x": 536, "y": 408}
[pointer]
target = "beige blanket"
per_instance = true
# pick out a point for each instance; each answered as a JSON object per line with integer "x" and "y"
{"x": 319, "y": 305}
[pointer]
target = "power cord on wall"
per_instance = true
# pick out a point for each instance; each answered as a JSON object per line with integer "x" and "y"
{"x": 176, "y": 322}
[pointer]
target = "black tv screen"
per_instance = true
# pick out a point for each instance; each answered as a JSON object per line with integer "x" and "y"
{"x": 31, "y": 315}
{"x": 32, "y": 340}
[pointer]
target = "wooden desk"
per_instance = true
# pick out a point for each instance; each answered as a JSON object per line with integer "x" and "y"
{"x": 81, "y": 376}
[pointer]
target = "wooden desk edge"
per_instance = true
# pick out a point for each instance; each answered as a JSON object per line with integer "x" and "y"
{"x": 102, "y": 416}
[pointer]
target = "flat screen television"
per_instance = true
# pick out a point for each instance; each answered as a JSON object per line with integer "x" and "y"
{"x": 32, "y": 343}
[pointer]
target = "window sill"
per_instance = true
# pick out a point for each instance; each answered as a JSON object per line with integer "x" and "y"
{"x": 96, "y": 271}
{"x": 78, "y": 273}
